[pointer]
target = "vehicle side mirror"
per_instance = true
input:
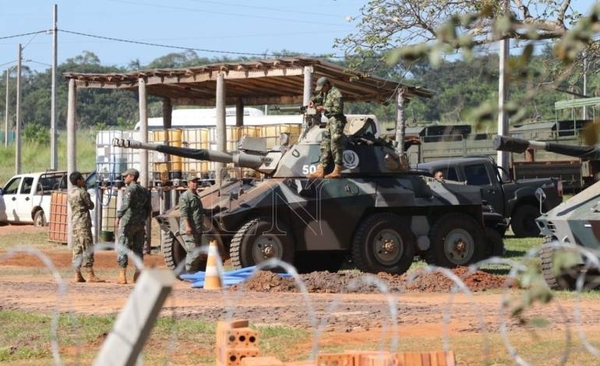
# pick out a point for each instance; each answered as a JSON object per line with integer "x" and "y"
{"x": 1, "y": 191}
{"x": 540, "y": 194}
{"x": 541, "y": 197}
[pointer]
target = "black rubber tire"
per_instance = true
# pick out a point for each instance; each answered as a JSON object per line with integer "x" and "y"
{"x": 450, "y": 230}
{"x": 556, "y": 281}
{"x": 367, "y": 245}
{"x": 257, "y": 235}
{"x": 495, "y": 246}
{"x": 522, "y": 221}
{"x": 39, "y": 219}
{"x": 173, "y": 252}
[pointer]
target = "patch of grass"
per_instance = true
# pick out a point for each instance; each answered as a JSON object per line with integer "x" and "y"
{"x": 29, "y": 237}
{"x": 27, "y": 336}
{"x": 35, "y": 157}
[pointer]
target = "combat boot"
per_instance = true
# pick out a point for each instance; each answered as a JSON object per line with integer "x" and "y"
{"x": 336, "y": 173}
{"x": 78, "y": 277}
{"x": 92, "y": 276}
{"x": 122, "y": 280}
{"x": 318, "y": 173}
{"x": 136, "y": 275}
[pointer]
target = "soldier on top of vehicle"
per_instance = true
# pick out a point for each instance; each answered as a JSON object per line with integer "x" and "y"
{"x": 329, "y": 101}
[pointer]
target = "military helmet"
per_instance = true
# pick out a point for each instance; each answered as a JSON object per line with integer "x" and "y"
{"x": 192, "y": 177}
{"x": 321, "y": 83}
{"x": 133, "y": 172}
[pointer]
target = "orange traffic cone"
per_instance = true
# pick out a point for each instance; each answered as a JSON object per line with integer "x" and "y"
{"x": 212, "y": 277}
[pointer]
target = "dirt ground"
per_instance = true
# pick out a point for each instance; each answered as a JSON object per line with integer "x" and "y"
{"x": 342, "y": 303}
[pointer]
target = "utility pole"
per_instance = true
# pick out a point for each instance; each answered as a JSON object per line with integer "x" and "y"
{"x": 6, "y": 119}
{"x": 502, "y": 156}
{"x": 53, "y": 132}
{"x": 585, "y": 66}
{"x": 18, "y": 108}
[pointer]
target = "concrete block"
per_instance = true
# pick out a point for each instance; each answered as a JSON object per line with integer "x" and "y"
{"x": 239, "y": 337}
{"x": 335, "y": 359}
{"x": 261, "y": 361}
{"x": 234, "y": 356}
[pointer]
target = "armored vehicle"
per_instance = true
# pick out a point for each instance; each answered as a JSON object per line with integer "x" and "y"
{"x": 379, "y": 213}
{"x": 575, "y": 222}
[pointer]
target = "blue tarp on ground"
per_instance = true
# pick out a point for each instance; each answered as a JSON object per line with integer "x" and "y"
{"x": 228, "y": 278}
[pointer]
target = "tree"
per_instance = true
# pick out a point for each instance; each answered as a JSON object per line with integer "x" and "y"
{"x": 177, "y": 60}
{"x": 390, "y": 24}
{"x": 408, "y": 32}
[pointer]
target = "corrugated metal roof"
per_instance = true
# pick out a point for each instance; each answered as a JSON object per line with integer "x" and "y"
{"x": 271, "y": 81}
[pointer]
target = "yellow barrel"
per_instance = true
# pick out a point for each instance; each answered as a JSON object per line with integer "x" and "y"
{"x": 176, "y": 172}
{"x": 172, "y": 168}
{"x": 195, "y": 138}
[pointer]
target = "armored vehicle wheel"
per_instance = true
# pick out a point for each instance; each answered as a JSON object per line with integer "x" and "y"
{"x": 523, "y": 223}
{"x": 495, "y": 244}
{"x": 259, "y": 240}
{"x": 39, "y": 218}
{"x": 566, "y": 279}
{"x": 456, "y": 240}
{"x": 173, "y": 251}
{"x": 383, "y": 243}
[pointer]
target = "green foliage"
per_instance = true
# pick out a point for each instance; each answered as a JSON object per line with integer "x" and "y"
{"x": 419, "y": 37}
{"x": 35, "y": 156}
{"x": 35, "y": 133}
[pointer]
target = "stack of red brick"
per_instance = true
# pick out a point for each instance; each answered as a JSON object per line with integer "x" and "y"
{"x": 237, "y": 345}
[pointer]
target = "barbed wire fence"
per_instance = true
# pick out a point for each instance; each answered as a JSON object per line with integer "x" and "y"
{"x": 125, "y": 345}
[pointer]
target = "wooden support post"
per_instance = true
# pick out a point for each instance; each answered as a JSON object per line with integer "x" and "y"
{"x": 136, "y": 319}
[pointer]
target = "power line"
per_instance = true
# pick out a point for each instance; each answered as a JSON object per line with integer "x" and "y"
{"x": 23, "y": 34}
{"x": 262, "y": 54}
{"x": 209, "y": 11}
{"x": 8, "y": 63}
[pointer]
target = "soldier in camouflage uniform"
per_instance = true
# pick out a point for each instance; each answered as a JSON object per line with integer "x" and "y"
{"x": 190, "y": 223}
{"x": 131, "y": 222}
{"x": 81, "y": 228}
{"x": 329, "y": 102}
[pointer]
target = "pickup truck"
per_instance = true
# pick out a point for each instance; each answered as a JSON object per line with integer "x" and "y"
{"x": 515, "y": 200}
{"x": 26, "y": 197}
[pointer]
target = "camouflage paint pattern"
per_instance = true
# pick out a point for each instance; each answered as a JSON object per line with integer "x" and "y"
{"x": 190, "y": 208}
{"x": 133, "y": 214}
{"x": 286, "y": 211}
{"x": 332, "y": 146}
{"x": 575, "y": 221}
{"x": 81, "y": 227}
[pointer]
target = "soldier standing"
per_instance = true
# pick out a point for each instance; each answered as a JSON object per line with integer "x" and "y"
{"x": 190, "y": 223}
{"x": 329, "y": 101}
{"x": 131, "y": 223}
{"x": 81, "y": 228}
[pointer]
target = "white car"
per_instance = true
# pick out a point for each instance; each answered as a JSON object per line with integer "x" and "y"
{"x": 3, "y": 217}
{"x": 25, "y": 198}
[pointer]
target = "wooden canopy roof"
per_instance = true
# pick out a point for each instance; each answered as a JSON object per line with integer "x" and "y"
{"x": 271, "y": 81}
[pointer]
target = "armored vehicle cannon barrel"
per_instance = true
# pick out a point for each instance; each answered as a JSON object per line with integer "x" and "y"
{"x": 378, "y": 214}
{"x": 244, "y": 160}
{"x": 572, "y": 228}
{"x": 517, "y": 145}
